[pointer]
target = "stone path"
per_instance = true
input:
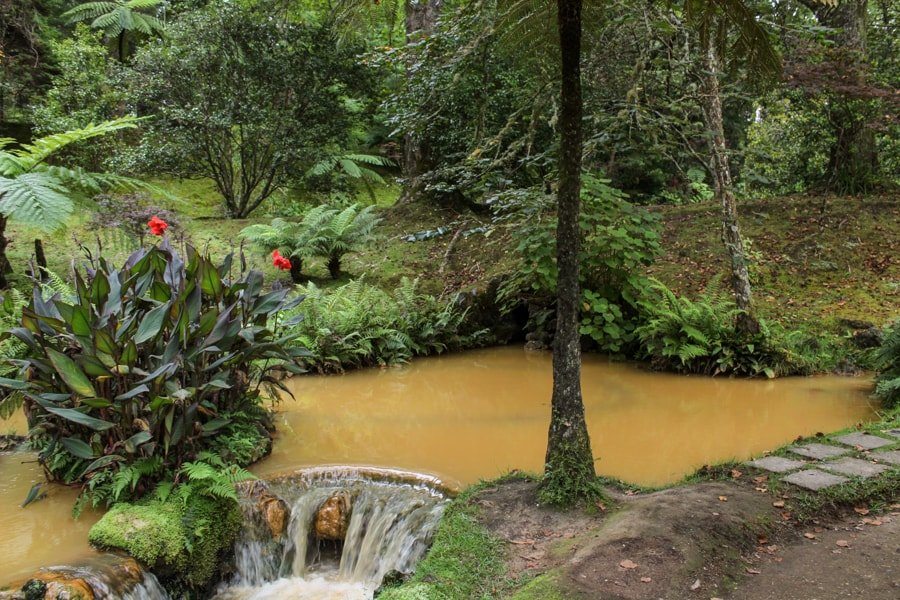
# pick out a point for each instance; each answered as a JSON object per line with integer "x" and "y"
{"x": 855, "y": 455}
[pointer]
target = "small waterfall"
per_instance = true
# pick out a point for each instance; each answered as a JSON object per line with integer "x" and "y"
{"x": 391, "y": 523}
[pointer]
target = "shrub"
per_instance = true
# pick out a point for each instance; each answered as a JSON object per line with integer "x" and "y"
{"x": 699, "y": 336}
{"x": 123, "y": 219}
{"x": 141, "y": 370}
{"x": 344, "y": 232}
{"x": 887, "y": 359}
{"x": 620, "y": 240}
{"x": 358, "y": 325}
{"x": 183, "y": 532}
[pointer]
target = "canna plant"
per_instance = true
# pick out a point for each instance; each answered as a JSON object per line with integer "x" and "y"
{"x": 145, "y": 366}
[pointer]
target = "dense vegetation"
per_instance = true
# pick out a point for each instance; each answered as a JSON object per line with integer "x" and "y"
{"x": 414, "y": 178}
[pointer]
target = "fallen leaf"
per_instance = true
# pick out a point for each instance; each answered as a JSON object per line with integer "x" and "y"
{"x": 628, "y": 564}
{"x": 695, "y": 586}
{"x": 646, "y": 580}
{"x": 760, "y": 479}
{"x": 861, "y": 511}
{"x": 735, "y": 474}
{"x": 620, "y": 583}
{"x": 526, "y": 542}
{"x": 600, "y": 505}
{"x": 843, "y": 543}
{"x": 753, "y": 571}
{"x": 809, "y": 536}
{"x": 762, "y": 540}
{"x": 778, "y": 504}
{"x": 873, "y": 522}
{"x": 723, "y": 498}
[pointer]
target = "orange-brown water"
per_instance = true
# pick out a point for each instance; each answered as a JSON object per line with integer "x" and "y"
{"x": 479, "y": 414}
{"x": 476, "y": 415}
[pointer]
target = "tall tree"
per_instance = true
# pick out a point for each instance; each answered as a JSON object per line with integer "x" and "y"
{"x": 712, "y": 19}
{"x": 853, "y": 158}
{"x": 421, "y": 19}
{"x": 569, "y": 474}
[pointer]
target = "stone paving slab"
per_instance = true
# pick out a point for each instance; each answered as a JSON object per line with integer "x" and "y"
{"x": 776, "y": 464}
{"x": 818, "y": 451}
{"x": 893, "y": 432}
{"x": 866, "y": 441}
{"x": 887, "y": 456}
{"x": 854, "y": 467}
{"x": 815, "y": 480}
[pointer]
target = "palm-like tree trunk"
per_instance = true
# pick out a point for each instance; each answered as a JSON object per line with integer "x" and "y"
{"x": 5, "y": 267}
{"x": 569, "y": 466}
{"x": 731, "y": 233}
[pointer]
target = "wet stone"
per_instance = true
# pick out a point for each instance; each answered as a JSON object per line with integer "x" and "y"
{"x": 867, "y": 441}
{"x": 891, "y": 457}
{"x": 815, "y": 480}
{"x": 818, "y": 451}
{"x": 776, "y": 464}
{"x": 855, "y": 467}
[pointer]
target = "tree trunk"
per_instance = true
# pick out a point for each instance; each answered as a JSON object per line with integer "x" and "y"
{"x": 421, "y": 19}
{"x": 41, "y": 260}
{"x": 569, "y": 474}
{"x": 334, "y": 265}
{"x": 5, "y": 267}
{"x": 853, "y": 158}
{"x": 297, "y": 269}
{"x": 721, "y": 171}
{"x": 122, "y": 46}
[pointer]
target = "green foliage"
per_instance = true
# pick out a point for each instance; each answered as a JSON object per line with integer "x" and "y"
{"x": 358, "y": 325}
{"x": 244, "y": 97}
{"x": 343, "y": 231}
{"x": 620, "y": 240}
{"x": 887, "y": 359}
{"x": 117, "y": 16}
{"x": 182, "y": 533}
{"x": 355, "y": 167}
{"x": 699, "y": 336}
{"x": 83, "y": 90}
{"x": 138, "y": 373}
{"x": 35, "y": 193}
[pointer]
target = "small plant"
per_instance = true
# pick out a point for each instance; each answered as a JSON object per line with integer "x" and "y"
{"x": 887, "y": 360}
{"x": 140, "y": 371}
{"x": 344, "y": 232}
{"x": 123, "y": 220}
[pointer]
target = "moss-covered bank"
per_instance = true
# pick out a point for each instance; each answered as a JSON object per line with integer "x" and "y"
{"x": 184, "y": 544}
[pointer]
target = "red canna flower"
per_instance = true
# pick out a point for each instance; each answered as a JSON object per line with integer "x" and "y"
{"x": 280, "y": 261}
{"x": 157, "y": 226}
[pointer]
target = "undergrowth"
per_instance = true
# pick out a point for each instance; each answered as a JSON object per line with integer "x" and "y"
{"x": 358, "y": 325}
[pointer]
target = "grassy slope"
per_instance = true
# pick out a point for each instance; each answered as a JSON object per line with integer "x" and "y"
{"x": 811, "y": 269}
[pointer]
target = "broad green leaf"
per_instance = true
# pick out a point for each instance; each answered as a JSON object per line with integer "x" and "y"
{"x": 77, "y": 447}
{"x": 151, "y": 323}
{"x": 132, "y": 443}
{"x": 70, "y": 414}
{"x": 71, "y": 374}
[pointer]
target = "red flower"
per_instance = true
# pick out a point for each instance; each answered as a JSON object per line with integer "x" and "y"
{"x": 157, "y": 226}
{"x": 280, "y": 262}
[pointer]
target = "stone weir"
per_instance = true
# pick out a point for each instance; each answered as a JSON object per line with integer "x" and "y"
{"x": 332, "y": 532}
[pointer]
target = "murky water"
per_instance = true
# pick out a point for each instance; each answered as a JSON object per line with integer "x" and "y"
{"x": 43, "y": 533}
{"x": 479, "y": 414}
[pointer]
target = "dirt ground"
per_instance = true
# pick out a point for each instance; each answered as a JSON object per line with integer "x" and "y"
{"x": 710, "y": 540}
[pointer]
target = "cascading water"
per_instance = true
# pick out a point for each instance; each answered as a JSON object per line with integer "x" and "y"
{"x": 106, "y": 576}
{"x": 392, "y": 520}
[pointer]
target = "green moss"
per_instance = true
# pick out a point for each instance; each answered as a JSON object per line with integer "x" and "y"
{"x": 542, "y": 587}
{"x": 184, "y": 542}
{"x": 464, "y": 562}
{"x": 569, "y": 477}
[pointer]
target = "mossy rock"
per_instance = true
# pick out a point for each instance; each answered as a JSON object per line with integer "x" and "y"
{"x": 182, "y": 543}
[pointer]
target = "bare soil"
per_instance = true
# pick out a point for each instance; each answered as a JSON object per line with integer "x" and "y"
{"x": 708, "y": 540}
